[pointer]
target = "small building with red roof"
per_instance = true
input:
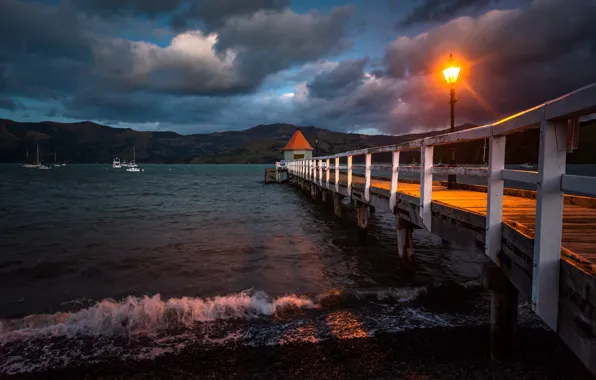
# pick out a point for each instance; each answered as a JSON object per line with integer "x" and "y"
{"x": 297, "y": 148}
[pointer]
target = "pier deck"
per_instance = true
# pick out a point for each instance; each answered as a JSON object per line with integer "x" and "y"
{"x": 541, "y": 244}
{"x": 579, "y": 222}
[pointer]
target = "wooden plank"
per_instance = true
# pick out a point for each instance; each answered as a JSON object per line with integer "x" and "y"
{"x": 579, "y": 184}
{"x": 549, "y": 219}
{"x": 327, "y": 172}
{"x": 426, "y": 178}
{"x": 394, "y": 180}
{"x": 349, "y": 181}
{"x": 516, "y": 123}
{"x": 336, "y": 175}
{"x": 459, "y": 136}
{"x": 494, "y": 204}
{"x": 321, "y": 172}
{"x": 523, "y": 176}
{"x": 368, "y": 161}
{"x": 577, "y": 103}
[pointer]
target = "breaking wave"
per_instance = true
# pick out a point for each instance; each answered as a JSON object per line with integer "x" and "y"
{"x": 150, "y": 314}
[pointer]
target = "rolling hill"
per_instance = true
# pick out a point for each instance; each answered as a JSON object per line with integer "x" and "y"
{"x": 88, "y": 142}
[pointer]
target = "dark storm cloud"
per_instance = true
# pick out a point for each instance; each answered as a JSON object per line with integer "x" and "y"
{"x": 516, "y": 59}
{"x": 442, "y": 10}
{"x": 39, "y": 30}
{"x": 114, "y": 7}
{"x": 114, "y": 107}
{"x": 236, "y": 60}
{"x": 345, "y": 78}
{"x": 268, "y": 42}
{"x": 7, "y": 103}
{"x": 50, "y": 50}
{"x": 213, "y": 13}
{"x": 206, "y": 15}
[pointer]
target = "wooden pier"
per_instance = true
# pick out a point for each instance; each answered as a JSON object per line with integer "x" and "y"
{"x": 279, "y": 174}
{"x": 541, "y": 243}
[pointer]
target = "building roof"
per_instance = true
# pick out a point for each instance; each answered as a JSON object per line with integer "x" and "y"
{"x": 298, "y": 142}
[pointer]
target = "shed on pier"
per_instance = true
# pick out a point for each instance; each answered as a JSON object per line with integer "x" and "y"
{"x": 297, "y": 148}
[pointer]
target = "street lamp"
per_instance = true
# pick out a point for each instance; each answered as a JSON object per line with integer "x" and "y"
{"x": 317, "y": 146}
{"x": 451, "y": 73}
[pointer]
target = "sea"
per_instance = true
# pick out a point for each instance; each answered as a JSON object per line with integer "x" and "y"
{"x": 101, "y": 264}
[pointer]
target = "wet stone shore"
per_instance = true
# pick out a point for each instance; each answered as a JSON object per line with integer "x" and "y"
{"x": 422, "y": 354}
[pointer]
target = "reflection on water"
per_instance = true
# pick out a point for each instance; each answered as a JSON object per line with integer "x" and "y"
{"x": 344, "y": 325}
{"x": 90, "y": 232}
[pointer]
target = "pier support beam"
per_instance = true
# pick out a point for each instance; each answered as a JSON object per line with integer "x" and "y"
{"x": 324, "y": 195}
{"x": 337, "y": 204}
{"x": 362, "y": 219}
{"x": 503, "y": 313}
{"x": 313, "y": 192}
{"x": 405, "y": 243}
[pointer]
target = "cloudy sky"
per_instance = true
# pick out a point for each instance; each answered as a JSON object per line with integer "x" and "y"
{"x": 371, "y": 66}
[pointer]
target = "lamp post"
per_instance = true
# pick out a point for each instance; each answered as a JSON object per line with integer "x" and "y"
{"x": 451, "y": 73}
{"x": 317, "y": 146}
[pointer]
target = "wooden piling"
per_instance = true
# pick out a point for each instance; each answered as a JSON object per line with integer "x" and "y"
{"x": 362, "y": 219}
{"x": 405, "y": 243}
{"x": 503, "y": 313}
{"x": 337, "y": 204}
{"x": 324, "y": 195}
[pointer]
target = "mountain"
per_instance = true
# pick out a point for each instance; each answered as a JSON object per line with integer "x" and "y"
{"x": 88, "y": 142}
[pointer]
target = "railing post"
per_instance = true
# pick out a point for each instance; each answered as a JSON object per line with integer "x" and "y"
{"x": 337, "y": 174}
{"x": 549, "y": 221}
{"x": 305, "y": 169}
{"x": 327, "y": 173}
{"x": 321, "y": 172}
{"x": 426, "y": 184}
{"x": 367, "y": 177}
{"x": 349, "y": 175}
{"x": 494, "y": 203}
{"x": 308, "y": 169}
{"x": 393, "y": 185}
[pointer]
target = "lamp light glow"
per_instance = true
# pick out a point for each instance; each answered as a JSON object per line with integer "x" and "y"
{"x": 452, "y": 72}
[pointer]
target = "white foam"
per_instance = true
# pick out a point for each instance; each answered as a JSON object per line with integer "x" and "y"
{"x": 135, "y": 315}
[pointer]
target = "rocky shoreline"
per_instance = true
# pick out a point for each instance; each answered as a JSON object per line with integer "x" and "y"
{"x": 422, "y": 354}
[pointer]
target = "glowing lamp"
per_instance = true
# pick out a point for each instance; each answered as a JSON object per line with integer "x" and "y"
{"x": 452, "y": 72}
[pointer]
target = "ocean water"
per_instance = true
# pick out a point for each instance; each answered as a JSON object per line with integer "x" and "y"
{"x": 100, "y": 263}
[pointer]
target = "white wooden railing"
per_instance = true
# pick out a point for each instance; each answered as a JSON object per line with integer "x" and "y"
{"x": 555, "y": 118}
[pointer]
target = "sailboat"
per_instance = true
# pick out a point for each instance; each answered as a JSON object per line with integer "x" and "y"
{"x": 132, "y": 165}
{"x": 35, "y": 164}
{"x": 56, "y": 164}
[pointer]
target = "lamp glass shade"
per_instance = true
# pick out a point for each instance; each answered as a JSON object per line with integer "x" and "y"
{"x": 451, "y": 74}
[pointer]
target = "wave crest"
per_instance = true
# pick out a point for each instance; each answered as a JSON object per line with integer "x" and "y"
{"x": 135, "y": 315}
{"x": 151, "y": 314}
